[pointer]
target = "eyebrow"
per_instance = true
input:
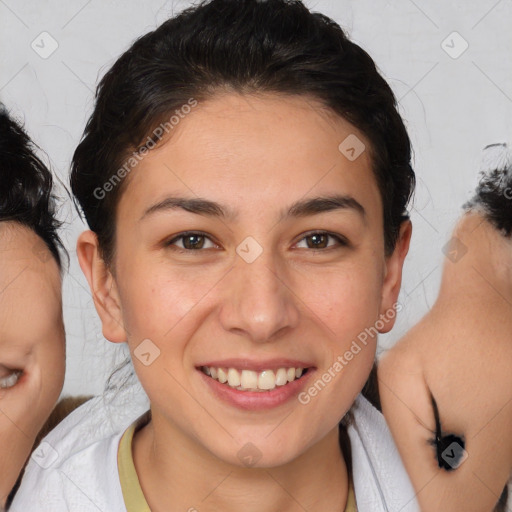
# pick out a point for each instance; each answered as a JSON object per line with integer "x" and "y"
{"x": 301, "y": 208}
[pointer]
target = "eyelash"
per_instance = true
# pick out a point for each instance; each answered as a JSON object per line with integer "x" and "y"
{"x": 342, "y": 241}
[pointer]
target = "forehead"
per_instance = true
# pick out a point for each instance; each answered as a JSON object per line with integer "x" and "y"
{"x": 247, "y": 148}
{"x": 27, "y": 268}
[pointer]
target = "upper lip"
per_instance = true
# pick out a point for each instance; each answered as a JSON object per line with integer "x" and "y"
{"x": 257, "y": 366}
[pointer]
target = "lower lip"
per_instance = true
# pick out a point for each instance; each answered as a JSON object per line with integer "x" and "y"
{"x": 257, "y": 400}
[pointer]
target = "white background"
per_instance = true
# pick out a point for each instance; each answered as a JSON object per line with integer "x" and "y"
{"x": 453, "y": 107}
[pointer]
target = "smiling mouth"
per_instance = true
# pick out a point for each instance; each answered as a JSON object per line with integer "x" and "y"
{"x": 249, "y": 380}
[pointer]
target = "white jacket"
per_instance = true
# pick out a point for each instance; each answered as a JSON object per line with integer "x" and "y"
{"x": 74, "y": 469}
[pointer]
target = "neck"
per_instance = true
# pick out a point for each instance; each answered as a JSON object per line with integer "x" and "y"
{"x": 178, "y": 474}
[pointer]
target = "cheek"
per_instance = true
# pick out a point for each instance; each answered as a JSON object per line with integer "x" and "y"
{"x": 346, "y": 300}
{"x": 157, "y": 298}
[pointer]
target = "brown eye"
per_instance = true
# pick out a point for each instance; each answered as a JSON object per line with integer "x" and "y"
{"x": 191, "y": 242}
{"x": 321, "y": 240}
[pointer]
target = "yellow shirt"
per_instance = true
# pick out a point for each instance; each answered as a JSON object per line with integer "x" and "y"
{"x": 134, "y": 499}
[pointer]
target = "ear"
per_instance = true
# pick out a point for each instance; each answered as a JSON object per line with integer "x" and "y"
{"x": 103, "y": 287}
{"x": 393, "y": 276}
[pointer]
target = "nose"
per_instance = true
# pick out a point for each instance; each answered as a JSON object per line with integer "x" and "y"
{"x": 257, "y": 302}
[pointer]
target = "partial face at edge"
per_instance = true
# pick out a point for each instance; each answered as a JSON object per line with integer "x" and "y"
{"x": 32, "y": 345}
{"x": 256, "y": 285}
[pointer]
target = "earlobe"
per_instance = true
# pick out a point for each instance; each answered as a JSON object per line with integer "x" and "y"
{"x": 393, "y": 276}
{"x": 103, "y": 287}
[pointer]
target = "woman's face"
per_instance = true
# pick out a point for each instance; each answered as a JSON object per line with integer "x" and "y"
{"x": 32, "y": 354}
{"x": 285, "y": 270}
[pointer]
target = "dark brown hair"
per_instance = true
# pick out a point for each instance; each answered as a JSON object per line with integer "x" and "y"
{"x": 26, "y": 194}
{"x": 244, "y": 46}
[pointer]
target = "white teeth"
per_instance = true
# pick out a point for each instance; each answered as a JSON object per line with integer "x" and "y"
{"x": 267, "y": 380}
{"x": 249, "y": 380}
{"x": 221, "y": 375}
{"x": 233, "y": 378}
{"x": 281, "y": 378}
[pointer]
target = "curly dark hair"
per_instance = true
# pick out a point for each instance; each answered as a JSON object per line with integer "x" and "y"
{"x": 244, "y": 46}
{"x": 26, "y": 193}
